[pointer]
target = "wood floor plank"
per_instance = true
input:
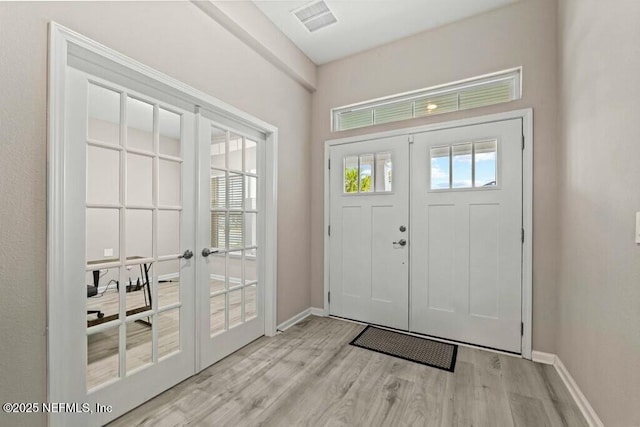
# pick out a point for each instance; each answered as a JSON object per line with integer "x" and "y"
{"x": 522, "y": 377}
{"x": 390, "y": 405}
{"x": 431, "y": 395}
{"x": 464, "y": 395}
{"x": 492, "y": 404}
{"x": 528, "y": 411}
{"x": 310, "y": 400}
{"x": 355, "y": 404}
{"x": 311, "y": 376}
{"x": 564, "y": 414}
{"x": 553, "y": 384}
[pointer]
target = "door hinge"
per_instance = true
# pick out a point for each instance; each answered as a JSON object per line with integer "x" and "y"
{"x": 521, "y": 329}
{"x": 329, "y": 163}
{"x": 523, "y": 235}
{"x": 329, "y": 230}
{"x": 523, "y": 142}
{"x": 410, "y": 139}
{"x": 329, "y": 297}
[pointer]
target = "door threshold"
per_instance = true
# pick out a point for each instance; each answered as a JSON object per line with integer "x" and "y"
{"x": 431, "y": 337}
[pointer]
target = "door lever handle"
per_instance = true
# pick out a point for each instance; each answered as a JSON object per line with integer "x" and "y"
{"x": 206, "y": 251}
{"x": 401, "y": 242}
{"x": 186, "y": 255}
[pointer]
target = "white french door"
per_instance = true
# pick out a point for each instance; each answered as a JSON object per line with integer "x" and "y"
{"x": 164, "y": 224}
{"x": 369, "y": 185}
{"x": 230, "y": 240}
{"x": 464, "y": 278}
{"x": 466, "y": 239}
{"x": 129, "y": 223}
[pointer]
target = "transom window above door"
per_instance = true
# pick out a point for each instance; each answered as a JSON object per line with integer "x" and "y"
{"x": 368, "y": 173}
{"x": 480, "y": 91}
{"x": 467, "y": 165}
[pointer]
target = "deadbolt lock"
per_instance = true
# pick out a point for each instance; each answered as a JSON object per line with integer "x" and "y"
{"x": 403, "y": 228}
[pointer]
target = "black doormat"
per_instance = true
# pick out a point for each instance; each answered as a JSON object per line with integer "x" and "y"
{"x": 408, "y": 347}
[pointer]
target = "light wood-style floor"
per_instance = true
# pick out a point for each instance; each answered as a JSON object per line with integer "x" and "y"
{"x": 310, "y": 375}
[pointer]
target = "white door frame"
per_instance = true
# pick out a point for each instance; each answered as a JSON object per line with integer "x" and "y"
{"x": 66, "y": 46}
{"x": 527, "y": 201}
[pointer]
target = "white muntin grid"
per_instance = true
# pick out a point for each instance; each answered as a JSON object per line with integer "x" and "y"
{"x": 124, "y": 206}
{"x": 236, "y": 207}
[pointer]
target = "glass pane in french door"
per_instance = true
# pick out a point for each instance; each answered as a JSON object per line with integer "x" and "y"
{"x": 133, "y": 232}
{"x": 233, "y": 279}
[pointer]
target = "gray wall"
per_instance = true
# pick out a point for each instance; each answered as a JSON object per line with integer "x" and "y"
{"x": 598, "y": 329}
{"x": 179, "y": 40}
{"x": 521, "y": 34}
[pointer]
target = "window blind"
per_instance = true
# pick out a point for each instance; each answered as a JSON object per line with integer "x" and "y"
{"x": 219, "y": 191}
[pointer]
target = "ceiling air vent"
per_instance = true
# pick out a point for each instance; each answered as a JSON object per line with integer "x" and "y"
{"x": 315, "y": 15}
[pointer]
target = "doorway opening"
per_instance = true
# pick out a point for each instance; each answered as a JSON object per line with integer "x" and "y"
{"x": 429, "y": 230}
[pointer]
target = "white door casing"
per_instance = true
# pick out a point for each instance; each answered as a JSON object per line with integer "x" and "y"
{"x": 369, "y": 272}
{"x": 466, "y": 270}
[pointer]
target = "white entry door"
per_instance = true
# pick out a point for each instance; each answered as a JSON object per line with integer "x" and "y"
{"x": 466, "y": 237}
{"x": 231, "y": 236}
{"x": 369, "y": 229}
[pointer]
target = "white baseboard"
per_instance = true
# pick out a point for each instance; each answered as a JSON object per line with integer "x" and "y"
{"x": 585, "y": 407}
{"x": 581, "y": 400}
{"x": 544, "y": 358}
{"x": 318, "y": 312}
{"x": 295, "y": 319}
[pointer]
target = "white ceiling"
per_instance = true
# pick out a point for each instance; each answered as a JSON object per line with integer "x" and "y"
{"x": 364, "y": 24}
